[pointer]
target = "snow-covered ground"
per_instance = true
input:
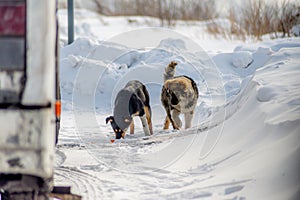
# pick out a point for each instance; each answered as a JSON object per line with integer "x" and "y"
{"x": 244, "y": 143}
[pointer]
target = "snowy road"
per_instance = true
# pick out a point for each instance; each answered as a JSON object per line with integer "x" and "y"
{"x": 244, "y": 143}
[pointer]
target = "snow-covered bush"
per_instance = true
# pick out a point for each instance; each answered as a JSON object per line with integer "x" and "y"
{"x": 168, "y": 11}
{"x": 256, "y": 18}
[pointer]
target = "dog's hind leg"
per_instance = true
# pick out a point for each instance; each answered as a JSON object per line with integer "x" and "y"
{"x": 176, "y": 119}
{"x": 169, "y": 120}
{"x": 167, "y": 123}
{"x": 148, "y": 116}
{"x": 145, "y": 125}
{"x": 132, "y": 127}
{"x": 188, "y": 118}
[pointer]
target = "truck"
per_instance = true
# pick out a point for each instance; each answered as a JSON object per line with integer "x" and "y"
{"x": 29, "y": 97}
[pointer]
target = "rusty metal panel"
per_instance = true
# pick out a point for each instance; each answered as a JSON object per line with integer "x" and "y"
{"x": 12, "y": 18}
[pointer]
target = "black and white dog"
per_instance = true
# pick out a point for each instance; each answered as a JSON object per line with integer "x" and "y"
{"x": 132, "y": 100}
{"x": 179, "y": 95}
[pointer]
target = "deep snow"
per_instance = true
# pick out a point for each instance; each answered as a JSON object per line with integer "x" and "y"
{"x": 245, "y": 140}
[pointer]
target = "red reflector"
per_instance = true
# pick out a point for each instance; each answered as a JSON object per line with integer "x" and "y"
{"x": 57, "y": 109}
{"x": 12, "y": 19}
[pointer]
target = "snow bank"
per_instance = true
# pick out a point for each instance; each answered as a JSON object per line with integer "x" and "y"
{"x": 242, "y": 59}
{"x": 280, "y": 98}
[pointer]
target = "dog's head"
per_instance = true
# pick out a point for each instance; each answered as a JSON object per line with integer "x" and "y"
{"x": 119, "y": 127}
{"x": 119, "y": 123}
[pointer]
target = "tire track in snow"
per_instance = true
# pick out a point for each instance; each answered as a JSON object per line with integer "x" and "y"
{"x": 183, "y": 185}
{"x": 82, "y": 183}
{"x": 192, "y": 184}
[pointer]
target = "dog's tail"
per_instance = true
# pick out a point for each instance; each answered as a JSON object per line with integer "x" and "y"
{"x": 170, "y": 71}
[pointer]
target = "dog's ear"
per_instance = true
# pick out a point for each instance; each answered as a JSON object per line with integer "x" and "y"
{"x": 110, "y": 119}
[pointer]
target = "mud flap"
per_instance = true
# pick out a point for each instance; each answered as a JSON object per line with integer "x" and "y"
{"x": 64, "y": 193}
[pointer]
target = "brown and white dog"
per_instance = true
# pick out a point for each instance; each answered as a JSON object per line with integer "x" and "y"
{"x": 179, "y": 95}
{"x": 132, "y": 100}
